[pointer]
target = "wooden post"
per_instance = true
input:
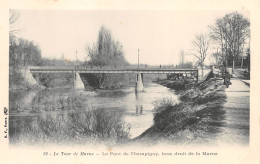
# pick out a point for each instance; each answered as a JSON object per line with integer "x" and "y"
{"x": 138, "y": 62}
{"x": 197, "y": 75}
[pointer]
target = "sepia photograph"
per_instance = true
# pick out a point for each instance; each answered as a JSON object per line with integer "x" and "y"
{"x": 120, "y": 78}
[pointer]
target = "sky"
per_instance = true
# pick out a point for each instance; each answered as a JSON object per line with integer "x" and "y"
{"x": 160, "y": 35}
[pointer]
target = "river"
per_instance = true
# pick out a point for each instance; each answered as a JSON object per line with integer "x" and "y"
{"x": 135, "y": 108}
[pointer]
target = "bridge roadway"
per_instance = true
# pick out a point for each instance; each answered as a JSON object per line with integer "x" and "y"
{"x": 46, "y": 69}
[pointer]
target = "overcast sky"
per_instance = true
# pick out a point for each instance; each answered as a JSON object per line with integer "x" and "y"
{"x": 160, "y": 35}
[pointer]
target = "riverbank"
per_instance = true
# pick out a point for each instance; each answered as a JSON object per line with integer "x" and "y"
{"x": 65, "y": 118}
{"x": 177, "y": 85}
{"x": 196, "y": 116}
{"x": 123, "y": 106}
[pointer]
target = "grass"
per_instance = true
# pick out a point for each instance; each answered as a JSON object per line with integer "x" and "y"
{"x": 198, "y": 115}
{"x": 162, "y": 104}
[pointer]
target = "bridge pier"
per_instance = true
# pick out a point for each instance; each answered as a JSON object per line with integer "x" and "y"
{"x": 139, "y": 87}
{"x": 28, "y": 77}
{"x": 37, "y": 78}
{"x": 78, "y": 83}
{"x": 139, "y": 103}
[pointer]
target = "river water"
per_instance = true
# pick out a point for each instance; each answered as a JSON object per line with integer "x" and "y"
{"x": 136, "y": 108}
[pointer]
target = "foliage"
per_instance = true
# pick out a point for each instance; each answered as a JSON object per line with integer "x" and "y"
{"x": 80, "y": 124}
{"x": 23, "y": 52}
{"x": 56, "y": 62}
{"x": 13, "y": 18}
{"x": 105, "y": 53}
{"x": 172, "y": 116}
{"x": 99, "y": 124}
{"x": 217, "y": 58}
{"x": 15, "y": 77}
{"x": 162, "y": 104}
{"x": 54, "y": 80}
{"x": 248, "y": 58}
{"x": 197, "y": 115}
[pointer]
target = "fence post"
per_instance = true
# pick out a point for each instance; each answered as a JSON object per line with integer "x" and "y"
{"x": 197, "y": 75}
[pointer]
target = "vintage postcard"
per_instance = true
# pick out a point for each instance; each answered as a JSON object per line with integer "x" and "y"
{"x": 129, "y": 82}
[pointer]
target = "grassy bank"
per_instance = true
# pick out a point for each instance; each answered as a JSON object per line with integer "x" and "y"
{"x": 192, "y": 120}
{"x": 177, "y": 85}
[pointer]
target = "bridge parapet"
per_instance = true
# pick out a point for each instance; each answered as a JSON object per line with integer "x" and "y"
{"x": 125, "y": 69}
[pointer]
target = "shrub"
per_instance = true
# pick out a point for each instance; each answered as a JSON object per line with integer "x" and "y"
{"x": 162, "y": 104}
{"x": 83, "y": 124}
{"x": 172, "y": 118}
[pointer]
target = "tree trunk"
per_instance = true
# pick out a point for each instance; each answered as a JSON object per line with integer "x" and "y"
{"x": 202, "y": 71}
{"x": 233, "y": 64}
{"x": 242, "y": 61}
{"x": 242, "y": 56}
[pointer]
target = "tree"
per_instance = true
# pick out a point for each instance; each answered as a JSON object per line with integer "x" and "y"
{"x": 106, "y": 53}
{"x": 201, "y": 43}
{"x": 230, "y": 34}
{"x": 23, "y": 52}
{"x": 248, "y": 59}
{"x": 246, "y": 51}
{"x": 217, "y": 57}
{"x": 13, "y": 17}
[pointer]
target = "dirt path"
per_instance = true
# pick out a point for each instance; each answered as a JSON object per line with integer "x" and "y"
{"x": 235, "y": 129}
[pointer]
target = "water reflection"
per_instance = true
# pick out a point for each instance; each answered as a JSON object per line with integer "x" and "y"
{"x": 133, "y": 108}
{"x": 139, "y": 103}
{"x": 20, "y": 99}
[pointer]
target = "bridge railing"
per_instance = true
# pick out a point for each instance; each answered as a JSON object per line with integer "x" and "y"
{"x": 105, "y": 68}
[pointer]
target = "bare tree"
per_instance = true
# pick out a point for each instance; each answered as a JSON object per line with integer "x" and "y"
{"x": 230, "y": 33}
{"x": 217, "y": 34}
{"x": 201, "y": 43}
{"x": 13, "y": 17}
